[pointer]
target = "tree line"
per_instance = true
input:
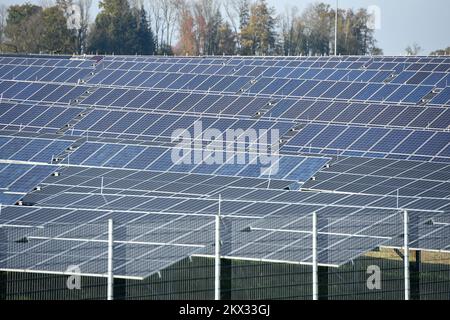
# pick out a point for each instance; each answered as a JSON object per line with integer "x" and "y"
{"x": 184, "y": 27}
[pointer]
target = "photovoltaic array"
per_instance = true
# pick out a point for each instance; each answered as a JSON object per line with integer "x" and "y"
{"x": 87, "y": 139}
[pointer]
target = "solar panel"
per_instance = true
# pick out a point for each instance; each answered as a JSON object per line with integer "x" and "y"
{"x": 18, "y": 179}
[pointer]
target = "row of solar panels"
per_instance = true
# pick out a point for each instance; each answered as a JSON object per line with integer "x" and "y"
{"x": 257, "y": 243}
{"x": 396, "y": 76}
{"x": 360, "y": 182}
{"x": 324, "y": 89}
{"x": 49, "y": 249}
{"x": 121, "y": 183}
{"x": 318, "y": 73}
{"x": 36, "y": 118}
{"x": 349, "y": 140}
{"x": 344, "y": 139}
{"x": 273, "y": 82}
{"x": 332, "y": 137}
{"x": 49, "y": 61}
{"x": 409, "y": 76}
{"x": 153, "y": 191}
{"x": 385, "y": 62}
{"x": 371, "y": 142}
{"x": 187, "y": 235}
{"x": 388, "y": 93}
{"x": 288, "y": 168}
{"x": 287, "y": 108}
{"x": 211, "y": 104}
{"x": 49, "y": 74}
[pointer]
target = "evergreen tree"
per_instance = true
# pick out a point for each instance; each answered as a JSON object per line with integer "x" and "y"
{"x": 120, "y": 30}
{"x": 258, "y": 37}
{"x": 23, "y": 28}
{"x": 56, "y": 37}
{"x": 227, "y": 41}
{"x": 33, "y": 29}
{"x": 146, "y": 41}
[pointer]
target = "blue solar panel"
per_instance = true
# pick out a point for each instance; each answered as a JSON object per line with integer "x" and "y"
{"x": 17, "y": 179}
{"x": 414, "y": 141}
{"x": 443, "y": 97}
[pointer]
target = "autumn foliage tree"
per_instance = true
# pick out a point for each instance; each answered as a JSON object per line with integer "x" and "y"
{"x": 187, "y": 42}
{"x": 203, "y": 30}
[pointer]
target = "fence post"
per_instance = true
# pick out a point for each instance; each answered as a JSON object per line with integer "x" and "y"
{"x": 314, "y": 258}
{"x": 110, "y": 259}
{"x": 406, "y": 255}
{"x": 217, "y": 255}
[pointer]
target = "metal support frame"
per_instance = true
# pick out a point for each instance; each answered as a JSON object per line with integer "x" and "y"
{"x": 315, "y": 270}
{"x": 110, "y": 260}
{"x": 406, "y": 255}
{"x": 217, "y": 255}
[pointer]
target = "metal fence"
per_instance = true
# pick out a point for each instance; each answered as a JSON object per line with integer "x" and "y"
{"x": 91, "y": 254}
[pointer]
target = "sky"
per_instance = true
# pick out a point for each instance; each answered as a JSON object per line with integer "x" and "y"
{"x": 401, "y": 22}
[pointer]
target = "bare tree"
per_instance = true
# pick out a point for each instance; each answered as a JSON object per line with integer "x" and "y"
{"x": 85, "y": 19}
{"x": 413, "y": 50}
{"x": 208, "y": 20}
{"x": 155, "y": 18}
{"x": 77, "y": 13}
{"x": 170, "y": 9}
{"x": 234, "y": 11}
{"x": 288, "y": 21}
{"x": 164, "y": 18}
{"x": 231, "y": 9}
{"x": 169, "y": 19}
